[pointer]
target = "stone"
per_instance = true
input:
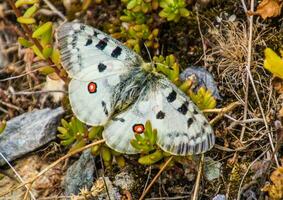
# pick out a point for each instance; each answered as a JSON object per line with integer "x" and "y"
{"x": 219, "y": 197}
{"x": 212, "y": 169}
{"x": 125, "y": 181}
{"x": 204, "y": 79}
{"x": 28, "y": 132}
{"x": 80, "y": 174}
{"x": 101, "y": 193}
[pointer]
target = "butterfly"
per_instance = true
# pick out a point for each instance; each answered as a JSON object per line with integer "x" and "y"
{"x": 112, "y": 86}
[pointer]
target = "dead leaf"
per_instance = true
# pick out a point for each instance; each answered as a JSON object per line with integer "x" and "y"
{"x": 269, "y": 8}
{"x": 277, "y": 84}
{"x": 53, "y": 84}
{"x": 275, "y": 190}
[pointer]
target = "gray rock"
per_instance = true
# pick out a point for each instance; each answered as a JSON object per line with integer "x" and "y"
{"x": 204, "y": 78}
{"x": 28, "y": 132}
{"x": 219, "y": 197}
{"x": 80, "y": 174}
{"x": 212, "y": 169}
{"x": 112, "y": 192}
{"x": 124, "y": 180}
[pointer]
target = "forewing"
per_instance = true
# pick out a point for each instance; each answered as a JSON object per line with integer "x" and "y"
{"x": 84, "y": 48}
{"x": 95, "y": 62}
{"x": 181, "y": 128}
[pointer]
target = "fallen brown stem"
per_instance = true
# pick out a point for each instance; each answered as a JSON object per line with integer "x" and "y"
{"x": 228, "y": 108}
{"x": 221, "y": 111}
{"x": 200, "y": 167}
{"x": 155, "y": 178}
{"x": 55, "y": 163}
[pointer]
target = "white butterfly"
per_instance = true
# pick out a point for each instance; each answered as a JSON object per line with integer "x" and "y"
{"x": 112, "y": 86}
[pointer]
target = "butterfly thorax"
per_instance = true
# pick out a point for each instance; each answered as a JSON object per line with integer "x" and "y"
{"x": 134, "y": 84}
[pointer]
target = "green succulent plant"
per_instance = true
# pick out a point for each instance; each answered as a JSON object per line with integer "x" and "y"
{"x": 135, "y": 17}
{"x": 76, "y": 134}
{"x": 3, "y": 124}
{"x": 168, "y": 66}
{"x": 145, "y": 142}
{"x": 73, "y": 133}
{"x": 139, "y": 33}
{"x": 42, "y": 32}
{"x": 144, "y": 6}
{"x": 173, "y": 10}
{"x": 203, "y": 98}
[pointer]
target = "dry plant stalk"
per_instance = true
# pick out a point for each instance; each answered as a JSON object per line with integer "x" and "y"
{"x": 230, "y": 49}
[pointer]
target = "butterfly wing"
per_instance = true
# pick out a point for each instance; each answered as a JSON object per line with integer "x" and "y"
{"x": 181, "y": 127}
{"x": 95, "y": 62}
{"x": 85, "y": 49}
{"x": 91, "y": 99}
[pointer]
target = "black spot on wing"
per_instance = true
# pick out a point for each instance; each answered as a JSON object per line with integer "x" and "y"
{"x": 184, "y": 108}
{"x": 160, "y": 115}
{"x": 195, "y": 111}
{"x": 116, "y": 52}
{"x": 95, "y": 33}
{"x": 104, "y": 108}
{"x": 82, "y": 27}
{"x": 172, "y": 96}
{"x": 118, "y": 119}
{"x": 102, "y": 44}
{"x": 101, "y": 67}
{"x": 88, "y": 42}
{"x": 190, "y": 122}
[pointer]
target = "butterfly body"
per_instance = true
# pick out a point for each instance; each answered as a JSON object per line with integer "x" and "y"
{"x": 112, "y": 86}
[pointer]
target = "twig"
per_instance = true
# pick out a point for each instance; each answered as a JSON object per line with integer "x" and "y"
{"x": 11, "y": 106}
{"x": 222, "y": 111}
{"x": 34, "y": 40}
{"x": 147, "y": 180}
{"x": 55, "y": 163}
{"x": 39, "y": 92}
{"x": 54, "y": 9}
{"x": 200, "y": 167}
{"x": 253, "y": 84}
{"x": 242, "y": 181}
{"x": 155, "y": 178}
{"x": 248, "y": 65}
{"x": 228, "y": 108}
{"x": 202, "y": 39}
{"x": 244, "y": 6}
{"x": 19, "y": 76}
{"x": 169, "y": 198}
{"x": 18, "y": 175}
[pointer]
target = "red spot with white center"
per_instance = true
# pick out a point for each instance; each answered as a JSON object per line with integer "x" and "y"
{"x": 91, "y": 87}
{"x": 138, "y": 128}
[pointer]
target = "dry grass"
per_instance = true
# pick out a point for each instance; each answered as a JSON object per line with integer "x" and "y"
{"x": 230, "y": 49}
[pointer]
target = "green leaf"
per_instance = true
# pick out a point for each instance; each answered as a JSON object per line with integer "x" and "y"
{"x": 42, "y": 30}
{"x": 24, "y": 42}
{"x": 26, "y": 20}
{"x": 151, "y": 158}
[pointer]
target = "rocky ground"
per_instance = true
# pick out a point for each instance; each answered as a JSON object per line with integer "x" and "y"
{"x": 223, "y": 43}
